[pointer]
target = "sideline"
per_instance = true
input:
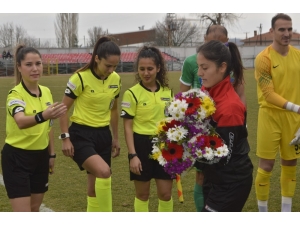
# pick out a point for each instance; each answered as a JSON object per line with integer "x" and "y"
{"x": 43, "y": 208}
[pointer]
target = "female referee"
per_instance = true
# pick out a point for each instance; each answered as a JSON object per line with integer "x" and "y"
{"x": 143, "y": 105}
{"x": 94, "y": 91}
{"x": 28, "y": 153}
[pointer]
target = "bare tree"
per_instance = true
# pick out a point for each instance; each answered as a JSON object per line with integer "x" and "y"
{"x": 66, "y": 29}
{"x": 94, "y": 34}
{"x": 20, "y": 34}
{"x": 30, "y": 41}
{"x": 225, "y": 19}
{"x": 6, "y": 35}
{"x": 175, "y": 31}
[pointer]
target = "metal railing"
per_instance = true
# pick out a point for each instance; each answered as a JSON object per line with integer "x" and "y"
{"x": 7, "y": 67}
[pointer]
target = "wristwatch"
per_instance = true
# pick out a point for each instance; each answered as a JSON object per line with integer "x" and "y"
{"x": 131, "y": 156}
{"x": 52, "y": 156}
{"x": 64, "y": 136}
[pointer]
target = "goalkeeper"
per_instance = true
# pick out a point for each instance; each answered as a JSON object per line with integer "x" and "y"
{"x": 277, "y": 71}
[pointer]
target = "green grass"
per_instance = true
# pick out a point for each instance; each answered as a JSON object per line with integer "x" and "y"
{"x": 67, "y": 187}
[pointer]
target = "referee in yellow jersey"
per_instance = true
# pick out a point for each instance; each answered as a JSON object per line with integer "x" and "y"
{"x": 94, "y": 91}
{"x": 143, "y": 106}
{"x": 28, "y": 154}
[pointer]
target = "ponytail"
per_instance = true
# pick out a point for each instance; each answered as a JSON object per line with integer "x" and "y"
{"x": 103, "y": 48}
{"x": 236, "y": 64}
{"x": 228, "y": 52}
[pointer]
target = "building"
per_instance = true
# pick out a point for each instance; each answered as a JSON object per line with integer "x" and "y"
{"x": 137, "y": 37}
{"x": 266, "y": 39}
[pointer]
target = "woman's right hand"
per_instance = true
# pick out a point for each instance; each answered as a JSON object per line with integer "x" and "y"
{"x": 67, "y": 147}
{"x": 135, "y": 165}
{"x": 55, "y": 111}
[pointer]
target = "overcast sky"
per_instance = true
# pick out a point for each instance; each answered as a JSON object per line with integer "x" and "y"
{"x": 120, "y": 17}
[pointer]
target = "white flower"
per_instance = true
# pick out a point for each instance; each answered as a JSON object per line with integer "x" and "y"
{"x": 155, "y": 149}
{"x": 224, "y": 150}
{"x": 186, "y": 155}
{"x": 161, "y": 160}
{"x": 199, "y": 153}
{"x": 177, "y": 133}
{"x": 201, "y": 113}
{"x": 209, "y": 155}
{"x": 218, "y": 152}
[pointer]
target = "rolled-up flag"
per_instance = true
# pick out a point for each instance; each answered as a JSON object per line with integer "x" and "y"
{"x": 179, "y": 188}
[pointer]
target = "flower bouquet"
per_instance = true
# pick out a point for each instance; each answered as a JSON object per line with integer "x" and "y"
{"x": 207, "y": 149}
{"x": 186, "y": 136}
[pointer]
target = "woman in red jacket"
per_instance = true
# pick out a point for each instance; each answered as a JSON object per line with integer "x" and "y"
{"x": 227, "y": 184}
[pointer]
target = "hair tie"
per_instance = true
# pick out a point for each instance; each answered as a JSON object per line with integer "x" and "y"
{"x": 226, "y": 44}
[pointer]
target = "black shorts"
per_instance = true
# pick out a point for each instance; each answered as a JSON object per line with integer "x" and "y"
{"x": 226, "y": 197}
{"x": 25, "y": 172}
{"x": 88, "y": 141}
{"x": 151, "y": 168}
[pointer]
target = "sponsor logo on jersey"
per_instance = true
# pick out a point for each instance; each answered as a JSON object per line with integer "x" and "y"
{"x": 92, "y": 91}
{"x": 165, "y": 99}
{"x": 71, "y": 85}
{"x": 144, "y": 104}
{"x": 15, "y": 102}
{"x": 123, "y": 113}
{"x": 67, "y": 91}
{"x": 19, "y": 109}
{"x": 113, "y": 86}
{"x": 125, "y": 104}
{"x": 48, "y": 103}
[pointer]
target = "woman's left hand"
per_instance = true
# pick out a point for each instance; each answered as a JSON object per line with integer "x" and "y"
{"x": 115, "y": 148}
{"x": 51, "y": 165}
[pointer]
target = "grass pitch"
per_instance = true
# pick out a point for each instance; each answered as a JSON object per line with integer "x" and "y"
{"x": 67, "y": 187}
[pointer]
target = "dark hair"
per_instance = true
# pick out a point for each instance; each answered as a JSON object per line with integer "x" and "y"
{"x": 280, "y": 16}
{"x": 218, "y": 52}
{"x": 20, "y": 54}
{"x": 103, "y": 48}
{"x": 155, "y": 54}
{"x": 213, "y": 28}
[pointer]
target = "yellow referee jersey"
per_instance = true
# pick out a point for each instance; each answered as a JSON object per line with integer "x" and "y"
{"x": 278, "y": 77}
{"x": 20, "y": 99}
{"x": 146, "y": 108}
{"x": 94, "y": 97}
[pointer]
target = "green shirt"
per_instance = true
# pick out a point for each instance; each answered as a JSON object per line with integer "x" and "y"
{"x": 189, "y": 75}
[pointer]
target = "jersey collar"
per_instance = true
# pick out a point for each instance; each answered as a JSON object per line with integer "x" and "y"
{"x": 95, "y": 75}
{"x": 33, "y": 95}
{"x": 157, "y": 85}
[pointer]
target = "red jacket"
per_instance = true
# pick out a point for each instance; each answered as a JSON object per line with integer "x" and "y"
{"x": 229, "y": 121}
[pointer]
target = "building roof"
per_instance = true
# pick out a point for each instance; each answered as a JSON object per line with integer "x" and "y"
{"x": 268, "y": 37}
{"x": 86, "y": 57}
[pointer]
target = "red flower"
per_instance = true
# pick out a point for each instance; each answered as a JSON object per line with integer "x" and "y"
{"x": 171, "y": 124}
{"x": 193, "y": 105}
{"x": 203, "y": 139}
{"x": 174, "y": 151}
{"x": 215, "y": 142}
